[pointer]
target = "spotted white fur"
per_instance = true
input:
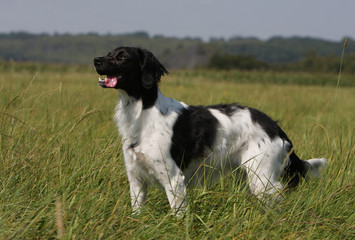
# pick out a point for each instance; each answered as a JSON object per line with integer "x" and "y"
{"x": 147, "y": 134}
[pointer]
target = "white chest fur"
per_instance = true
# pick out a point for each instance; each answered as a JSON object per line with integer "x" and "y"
{"x": 146, "y": 134}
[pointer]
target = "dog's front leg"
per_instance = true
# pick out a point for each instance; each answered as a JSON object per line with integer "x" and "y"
{"x": 176, "y": 191}
{"x": 138, "y": 192}
{"x": 137, "y": 186}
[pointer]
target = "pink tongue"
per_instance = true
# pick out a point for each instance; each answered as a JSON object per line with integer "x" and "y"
{"x": 111, "y": 81}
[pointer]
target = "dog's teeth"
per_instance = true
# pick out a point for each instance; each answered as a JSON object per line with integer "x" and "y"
{"x": 101, "y": 80}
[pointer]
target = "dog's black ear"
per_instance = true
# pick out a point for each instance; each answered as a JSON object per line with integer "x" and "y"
{"x": 151, "y": 69}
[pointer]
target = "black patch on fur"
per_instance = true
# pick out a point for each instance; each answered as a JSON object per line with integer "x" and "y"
{"x": 133, "y": 145}
{"x": 227, "y": 109}
{"x": 194, "y": 131}
{"x": 149, "y": 97}
{"x": 296, "y": 169}
{"x": 270, "y": 126}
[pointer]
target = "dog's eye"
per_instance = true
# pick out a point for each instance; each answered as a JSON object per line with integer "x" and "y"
{"x": 122, "y": 57}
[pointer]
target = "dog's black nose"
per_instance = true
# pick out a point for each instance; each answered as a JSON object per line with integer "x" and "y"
{"x": 97, "y": 60}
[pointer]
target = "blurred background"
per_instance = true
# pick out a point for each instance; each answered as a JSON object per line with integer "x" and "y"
{"x": 277, "y": 34}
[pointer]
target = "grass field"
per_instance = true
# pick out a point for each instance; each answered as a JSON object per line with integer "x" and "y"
{"x": 62, "y": 173}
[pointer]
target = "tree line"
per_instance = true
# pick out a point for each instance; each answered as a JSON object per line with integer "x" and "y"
{"x": 295, "y": 53}
{"x": 311, "y": 62}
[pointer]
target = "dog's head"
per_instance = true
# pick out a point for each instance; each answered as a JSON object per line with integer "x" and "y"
{"x": 132, "y": 69}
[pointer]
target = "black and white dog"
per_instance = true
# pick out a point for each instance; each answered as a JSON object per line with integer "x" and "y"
{"x": 174, "y": 144}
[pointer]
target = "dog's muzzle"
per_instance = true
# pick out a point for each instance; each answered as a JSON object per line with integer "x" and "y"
{"x": 109, "y": 81}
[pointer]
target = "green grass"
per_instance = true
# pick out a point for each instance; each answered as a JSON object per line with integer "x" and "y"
{"x": 62, "y": 173}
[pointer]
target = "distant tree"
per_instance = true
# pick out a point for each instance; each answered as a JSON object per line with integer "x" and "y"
{"x": 139, "y": 34}
{"x": 349, "y": 63}
{"x": 228, "y": 62}
{"x": 314, "y": 63}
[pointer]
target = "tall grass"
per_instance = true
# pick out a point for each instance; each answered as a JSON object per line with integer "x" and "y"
{"x": 62, "y": 173}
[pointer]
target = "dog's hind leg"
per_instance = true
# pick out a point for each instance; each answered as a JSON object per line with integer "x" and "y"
{"x": 263, "y": 169}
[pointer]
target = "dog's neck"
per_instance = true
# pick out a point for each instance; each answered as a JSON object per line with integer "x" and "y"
{"x": 148, "y": 96}
{"x": 131, "y": 114}
{"x": 127, "y": 117}
{"x": 132, "y": 105}
{"x": 129, "y": 105}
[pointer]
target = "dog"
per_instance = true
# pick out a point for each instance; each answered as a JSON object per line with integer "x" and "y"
{"x": 174, "y": 145}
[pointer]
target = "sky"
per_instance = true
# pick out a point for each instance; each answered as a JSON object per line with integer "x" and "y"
{"x": 326, "y": 19}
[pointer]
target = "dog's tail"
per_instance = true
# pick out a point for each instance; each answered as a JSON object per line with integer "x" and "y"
{"x": 297, "y": 168}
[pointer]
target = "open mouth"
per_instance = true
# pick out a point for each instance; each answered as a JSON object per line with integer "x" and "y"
{"x": 109, "y": 81}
